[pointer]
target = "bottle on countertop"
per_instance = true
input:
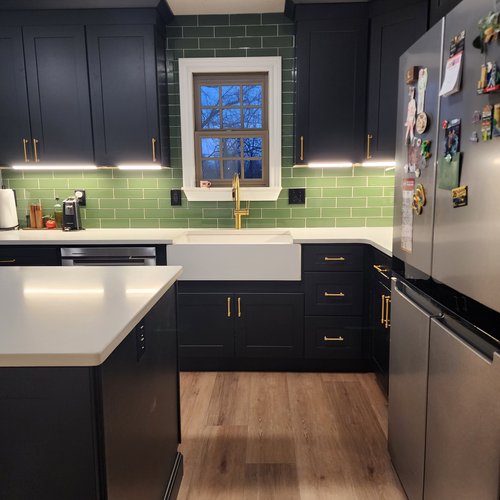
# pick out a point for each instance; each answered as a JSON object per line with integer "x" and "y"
{"x": 58, "y": 213}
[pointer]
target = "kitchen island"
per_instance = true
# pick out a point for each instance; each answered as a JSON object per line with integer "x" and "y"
{"x": 89, "y": 390}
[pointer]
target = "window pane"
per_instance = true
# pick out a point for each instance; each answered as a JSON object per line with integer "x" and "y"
{"x": 231, "y": 167}
{"x": 231, "y": 118}
{"x": 252, "y": 95}
{"x": 210, "y": 169}
{"x": 252, "y": 147}
{"x": 209, "y": 95}
{"x": 252, "y": 118}
{"x": 230, "y": 95}
{"x": 210, "y": 147}
{"x": 253, "y": 169}
{"x": 231, "y": 147}
{"x": 210, "y": 118}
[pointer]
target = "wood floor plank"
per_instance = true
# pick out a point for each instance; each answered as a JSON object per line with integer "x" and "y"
{"x": 270, "y": 435}
{"x": 285, "y": 436}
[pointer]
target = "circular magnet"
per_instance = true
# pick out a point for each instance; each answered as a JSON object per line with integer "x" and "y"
{"x": 422, "y": 123}
{"x": 419, "y": 142}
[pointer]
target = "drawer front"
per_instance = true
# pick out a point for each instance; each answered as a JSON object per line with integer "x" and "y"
{"x": 29, "y": 256}
{"x": 333, "y": 257}
{"x": 338, "y": 337}
{"x": 334, "y": 294}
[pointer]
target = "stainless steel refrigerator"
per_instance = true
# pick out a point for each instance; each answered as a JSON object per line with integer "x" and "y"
{"x": 444, "y": 377}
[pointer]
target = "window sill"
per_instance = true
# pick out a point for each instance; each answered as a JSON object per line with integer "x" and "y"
{"x": 225, "y": 194}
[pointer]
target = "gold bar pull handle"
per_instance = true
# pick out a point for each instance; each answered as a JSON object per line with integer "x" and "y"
{"x": 25, "y": 150}
{"x": 229, "y": 307}
{"x": 239, "y": 307}
{"x": 333, "y": 339}
{"x": 368, "y": 146}
{"x": 153, "y": 148}
{"x": 7, "y": 261}
{"x": 387, "y": 321}
{"x": 301, "y": 148}
{"x": 338, "y": 259}
{"x": 340, "y": 294}
{"x": 382, "y": 315}
{"x": 35, "y": 150}
{"x": 382, "y": 270}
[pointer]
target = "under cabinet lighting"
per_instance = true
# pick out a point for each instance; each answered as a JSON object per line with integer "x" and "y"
{"x": 139, "y": 167}
{"x": 378, "y": 164}
{"x": 64, "y": 291}
{"x": 339, "y": 164}
{"x": 53, "y": 167}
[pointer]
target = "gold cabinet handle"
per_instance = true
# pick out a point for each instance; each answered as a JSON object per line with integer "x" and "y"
{"x": 35, "y": 150}
{"x": 229, "y": 307}
{"x": 8, "y": 261}
{"x": 239, "y": 307}
{"x": 301, "y": 148}
{"x": 382, "y": 270}
{"x": 25, "y": 149}
{"x": 368, "y": 146}
{"x": 340, "y": 294}
{"x": 382, "y": 316}
{"x": 153, "y": 147}
{"x": 328, "y": 259}
{"x": 333, "y": 339}
{"x": 387, "y": 321}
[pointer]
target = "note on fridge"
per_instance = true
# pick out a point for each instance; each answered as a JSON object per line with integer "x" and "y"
{"x": 453, "y": 75}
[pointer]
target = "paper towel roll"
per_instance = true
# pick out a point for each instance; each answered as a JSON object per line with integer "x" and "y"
{"x": 8, "y": 213}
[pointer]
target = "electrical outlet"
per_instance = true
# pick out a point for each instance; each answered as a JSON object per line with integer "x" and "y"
{"x": 297, "y": 196}
{"x": 82, "y": 197}
{"x": 175, "y": 197}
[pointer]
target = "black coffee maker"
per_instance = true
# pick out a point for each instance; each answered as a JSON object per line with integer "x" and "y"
{"x": 71, "y": 220}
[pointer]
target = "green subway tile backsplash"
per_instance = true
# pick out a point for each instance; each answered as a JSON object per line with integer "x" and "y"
{"x": 115, "y": 199}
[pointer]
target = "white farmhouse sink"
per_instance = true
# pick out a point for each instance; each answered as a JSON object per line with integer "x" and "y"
{"x": 236, "y": 255}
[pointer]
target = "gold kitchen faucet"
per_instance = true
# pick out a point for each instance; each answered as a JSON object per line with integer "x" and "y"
{"x": 238, "y": 211}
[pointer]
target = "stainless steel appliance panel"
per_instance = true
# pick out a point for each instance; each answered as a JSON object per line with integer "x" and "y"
{"x": 108, "y": 256}
{"x": 408, "y": 365}
{"x": 463, "y": 420}
{"x": 426, "y": 52}
{"x": 467, "y": 239}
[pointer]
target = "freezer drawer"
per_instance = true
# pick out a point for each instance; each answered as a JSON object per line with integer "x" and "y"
{"x": 463, "y": 420}
{"x": 408, "y": 365}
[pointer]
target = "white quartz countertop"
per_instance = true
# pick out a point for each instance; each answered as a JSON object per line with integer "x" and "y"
{"x": 379, "y": 237}
{"x": 74, "y": 316}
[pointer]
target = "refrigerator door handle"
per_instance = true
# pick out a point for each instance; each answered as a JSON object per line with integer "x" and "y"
{"x": 415, "y": 304}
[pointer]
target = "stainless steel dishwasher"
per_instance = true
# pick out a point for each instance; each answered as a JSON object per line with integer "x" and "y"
{"x": 108, "y": 256}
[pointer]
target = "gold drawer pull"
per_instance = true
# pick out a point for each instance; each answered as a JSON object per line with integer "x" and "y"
{"x": 340, "y": 294}
{"x": 25, "y": 150}
{"x": 8, "y": 261}
{"x": 382, "y": 314}
{"x": 153, "y": 148}
{"x": 301, "y": 148}
{"x": 333, "y": 339}
{"x": 387, "y": 321}
{"x": 380, "y": 268}
{"x": 239, "y": 307}
{"x": 229, "y": 307}
{"x": 35, "y": 150}
{"x": 327, "y": 259}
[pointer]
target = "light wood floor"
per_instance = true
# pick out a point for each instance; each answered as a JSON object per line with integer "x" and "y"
{"x": 285, "y": 436}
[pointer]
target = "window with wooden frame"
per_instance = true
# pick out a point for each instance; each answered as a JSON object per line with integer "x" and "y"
{"x": 231, "y": 133}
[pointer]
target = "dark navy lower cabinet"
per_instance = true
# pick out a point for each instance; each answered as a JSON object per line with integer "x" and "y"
{"x": 105, "y": 432}
{"x": 29, "y": 255}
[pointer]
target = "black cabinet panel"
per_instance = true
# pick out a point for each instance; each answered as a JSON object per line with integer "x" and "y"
{"x": 269, "y": 324}
{"x": 122, "y": 70}
{"x": 337, "y": 257}
{"x": 29, "y": 256}
{"x": 334, "y": 294}
{"x": 14, "y": 115}
{"x": 390, "y": 35}
{"x": 439, "y": 9}
{"x": 331, "y": 88}
{"x": 334, "y": 337}
{"x": 56, "y": 69}
{"x": 206, "y": 324}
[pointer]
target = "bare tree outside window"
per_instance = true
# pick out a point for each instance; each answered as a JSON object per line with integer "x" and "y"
{"x": 231, "y": 128}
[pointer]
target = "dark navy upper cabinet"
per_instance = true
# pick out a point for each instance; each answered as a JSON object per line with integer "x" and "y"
{"x": 15, "y": 134}
{"x": 393, "y": 30}
{"x": 123, "y": 85}
{"x": 56, "y": 71}
{"x": 439, "y": 9}
{"x": 332, "y": 48}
